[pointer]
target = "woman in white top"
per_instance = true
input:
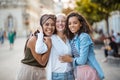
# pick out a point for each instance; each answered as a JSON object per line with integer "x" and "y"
{"x": 57, "y": 70}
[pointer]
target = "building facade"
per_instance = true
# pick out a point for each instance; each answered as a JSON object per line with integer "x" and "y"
{"x": 114, "y": 23}
{"x": 11, "y": 15}
{"x": 21, "y": 15}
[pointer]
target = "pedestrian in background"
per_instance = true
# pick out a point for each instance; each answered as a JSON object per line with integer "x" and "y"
{"x": 118, "y": 39}
{"x": 15, "y": 33}
{"x": 11, "y": 38}
{"x": 84, "y": 61}
{"x": 33, "y": 64}
{"x": 2, "y": 37}
{"x": 110, "y": 48}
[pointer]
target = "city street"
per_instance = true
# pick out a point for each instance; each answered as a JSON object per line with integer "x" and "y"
{"x": 10, "y": 61}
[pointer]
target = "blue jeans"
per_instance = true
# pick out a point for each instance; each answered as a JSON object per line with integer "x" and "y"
{"x": 63, "y": 76}
{"x": 111, "y": 52}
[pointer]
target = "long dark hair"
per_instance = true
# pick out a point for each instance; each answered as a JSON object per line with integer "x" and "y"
{"x": 84, "y": 28}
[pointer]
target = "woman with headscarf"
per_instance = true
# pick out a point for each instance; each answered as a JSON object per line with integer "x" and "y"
{"x": 33, "y": 64}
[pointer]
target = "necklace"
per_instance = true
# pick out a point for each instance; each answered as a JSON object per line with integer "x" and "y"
{"x": 63, "y": 38}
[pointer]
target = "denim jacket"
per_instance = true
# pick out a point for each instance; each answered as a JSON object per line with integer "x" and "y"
{"x": 85, "y": 48}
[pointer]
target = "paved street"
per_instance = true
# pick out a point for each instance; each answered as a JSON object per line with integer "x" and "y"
{"x": 10, "y": 61}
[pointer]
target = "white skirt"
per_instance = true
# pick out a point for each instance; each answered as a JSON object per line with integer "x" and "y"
{"x": 31, "y": 73}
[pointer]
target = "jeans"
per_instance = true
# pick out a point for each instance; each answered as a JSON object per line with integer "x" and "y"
{"x": 63, "y": 76}
{"x": 111, "y": 52}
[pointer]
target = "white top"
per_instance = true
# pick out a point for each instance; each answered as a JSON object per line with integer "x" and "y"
{"x": 40, "y": 46}
{"x": 59, "y": 47}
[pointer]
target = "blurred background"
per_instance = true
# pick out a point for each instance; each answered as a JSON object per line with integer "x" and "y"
{"x": 22, "y": 17}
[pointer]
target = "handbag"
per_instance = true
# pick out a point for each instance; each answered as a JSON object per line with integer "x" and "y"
{"x": 86, "y": 72}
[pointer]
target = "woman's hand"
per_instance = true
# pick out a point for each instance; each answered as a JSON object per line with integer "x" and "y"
{"x": 40, "y": 29}
{"x": 66, "y": 58}
{"x": 48, "y": 42}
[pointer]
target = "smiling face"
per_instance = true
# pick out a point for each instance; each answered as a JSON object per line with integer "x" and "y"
{"x": 60, "y": 23}
{"x": 74, "y": 24}
{"x": 49, "y": 27}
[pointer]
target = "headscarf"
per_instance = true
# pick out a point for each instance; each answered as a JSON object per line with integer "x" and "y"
{"x": 45, "y": 17}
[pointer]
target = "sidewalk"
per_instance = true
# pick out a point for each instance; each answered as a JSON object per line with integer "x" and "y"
{"x": 10, "y": 61}
{"x": 111, "y": 71}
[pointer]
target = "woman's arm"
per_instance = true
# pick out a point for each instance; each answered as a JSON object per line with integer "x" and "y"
{"x": 40, "y": 46}
{"x": 85, "y": 43}
{"x": 41, "y": 58}
{"x": 66, "y": 58}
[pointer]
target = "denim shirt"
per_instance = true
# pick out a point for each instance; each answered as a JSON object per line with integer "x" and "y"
{"x": 85, "y": 49}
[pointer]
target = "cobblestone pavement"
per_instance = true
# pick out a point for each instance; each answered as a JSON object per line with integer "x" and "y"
{"x": 10, "y": 61}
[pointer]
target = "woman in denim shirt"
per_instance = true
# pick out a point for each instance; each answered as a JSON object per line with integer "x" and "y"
{"x": 82, "y": 48}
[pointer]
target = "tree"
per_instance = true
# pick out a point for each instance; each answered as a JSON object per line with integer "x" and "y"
{"x": 67, "y": 10}
{"x": 96, "y": 10}
{"x": 107, "y": 6}
{"x": 89, "y": 10}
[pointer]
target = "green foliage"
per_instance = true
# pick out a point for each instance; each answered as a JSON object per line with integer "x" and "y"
{"x": 106, "y": 6}
{"x": 96, "y": 10}
{"x": 89, "y": 10}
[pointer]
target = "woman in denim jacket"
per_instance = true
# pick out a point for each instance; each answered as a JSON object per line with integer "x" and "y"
{"x": 82, "y": 49}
